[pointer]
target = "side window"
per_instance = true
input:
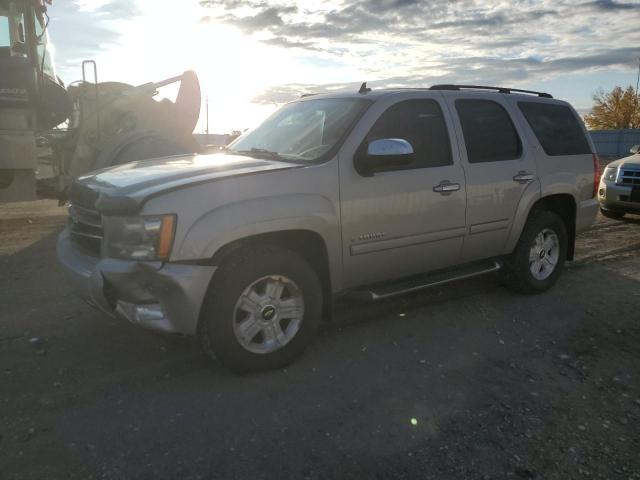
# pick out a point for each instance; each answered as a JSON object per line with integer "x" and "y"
{"x": 556, "y": 128}
{"x": 45, "y": 52}
{"x": 422, "y": 124}
{"x": 489, "y": 134}
{"x": 5, "y": 37}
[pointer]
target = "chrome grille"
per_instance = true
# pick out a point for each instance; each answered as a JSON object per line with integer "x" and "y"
{"x": 628, "y": 177}
{"x": 85, "y": 227}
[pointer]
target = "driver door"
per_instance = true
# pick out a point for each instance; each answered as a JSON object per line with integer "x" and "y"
{"x": 400, "y": 221}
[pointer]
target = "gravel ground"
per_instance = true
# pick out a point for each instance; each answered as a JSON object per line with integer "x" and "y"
{"x": 467, "y": 381}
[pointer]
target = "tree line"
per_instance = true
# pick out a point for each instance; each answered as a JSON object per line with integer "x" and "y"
{"x": 617, "y": 109}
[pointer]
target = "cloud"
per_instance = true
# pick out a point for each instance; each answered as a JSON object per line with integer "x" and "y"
{"x": 422, "y": 42}
{"x": 611, "y": 5}
{"x": 82, "y": 30}
{"x": 119, "y": 9}
{"x": 484, "y": 71}
{"x": 269, "y": 18}
{"x": 390, "y": 43}
{"x": 283, "y": 42}
{"x": 356, "y": 19}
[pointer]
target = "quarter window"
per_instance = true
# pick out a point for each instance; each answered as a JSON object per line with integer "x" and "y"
{"x": 556, "y": 128}
{"x": 489, "y": 134}
{"x": 422, "y": 124}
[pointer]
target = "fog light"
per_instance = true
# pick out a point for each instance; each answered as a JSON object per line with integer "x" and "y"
{"x": 148, "y": 313}
{"x": 602, "y": 192}
{"x": 140, "y": 313}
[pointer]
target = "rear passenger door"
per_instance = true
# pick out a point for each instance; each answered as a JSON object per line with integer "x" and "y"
{"x": 498, "y": 169}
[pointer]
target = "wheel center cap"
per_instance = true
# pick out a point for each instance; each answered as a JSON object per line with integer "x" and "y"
{"x": 542, "y": 253}
{"x": 268, "y": 312}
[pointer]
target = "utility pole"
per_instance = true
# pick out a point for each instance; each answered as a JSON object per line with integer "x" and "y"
{"x": 638, "y": 78}
{"x": 637, "y": 83}
{"x": 207, "y": 109}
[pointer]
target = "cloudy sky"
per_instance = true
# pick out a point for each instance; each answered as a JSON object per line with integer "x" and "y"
{"x": 252, "y": 56}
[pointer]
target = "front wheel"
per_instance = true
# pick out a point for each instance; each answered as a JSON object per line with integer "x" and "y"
{"x": 262, "y": 309}
{"x": 539, "y": 256}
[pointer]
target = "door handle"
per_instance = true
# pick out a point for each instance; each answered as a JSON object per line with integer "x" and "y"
{"x": 523, "y": 177}
{"x": 446, "y": 187}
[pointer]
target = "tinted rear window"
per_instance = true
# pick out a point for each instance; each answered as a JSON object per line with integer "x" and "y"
{"x": 489, "y": 134}
{"x": 556, "y": 128}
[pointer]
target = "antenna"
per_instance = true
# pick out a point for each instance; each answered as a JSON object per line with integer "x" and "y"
{"x": 364, "y": 89}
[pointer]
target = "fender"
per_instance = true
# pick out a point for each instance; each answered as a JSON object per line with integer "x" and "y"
{"x": 235, "y": 221}
{"x": 529, "y": 197}
{"x": 561, "y": 183}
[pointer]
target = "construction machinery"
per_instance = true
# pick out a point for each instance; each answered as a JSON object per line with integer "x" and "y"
{"x": 50, "y": 134}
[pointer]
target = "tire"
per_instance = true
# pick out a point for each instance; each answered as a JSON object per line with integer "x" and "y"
{"x": 254, "y": 271}
{"x": 521, "y": 265}
{"x": 613, "y": 214}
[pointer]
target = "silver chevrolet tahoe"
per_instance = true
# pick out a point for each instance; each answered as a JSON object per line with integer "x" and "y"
{"x": 619, "y": 191}
{"x": 373, "y": 193}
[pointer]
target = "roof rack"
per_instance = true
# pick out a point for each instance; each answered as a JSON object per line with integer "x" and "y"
{"x": 483, "y": 87}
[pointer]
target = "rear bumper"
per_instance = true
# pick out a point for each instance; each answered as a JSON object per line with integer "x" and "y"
{"x": 586, "y": 214}
{"x": 160, "y": 296}
{"x": 616, "y": 197}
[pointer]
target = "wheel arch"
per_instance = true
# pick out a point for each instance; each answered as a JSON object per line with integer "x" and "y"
{"x": 562, "y": 204}
{"x": 308, "y": 244}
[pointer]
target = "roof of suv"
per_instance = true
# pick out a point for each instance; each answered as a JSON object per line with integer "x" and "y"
{"x": 374, "y": 94}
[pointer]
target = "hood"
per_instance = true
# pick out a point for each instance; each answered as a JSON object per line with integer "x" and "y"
{"x": 124, "y": 189}
{"x": 630, "y": 161}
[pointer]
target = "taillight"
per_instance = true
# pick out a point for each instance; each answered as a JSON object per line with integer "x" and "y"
{"x": 596, "y": 174}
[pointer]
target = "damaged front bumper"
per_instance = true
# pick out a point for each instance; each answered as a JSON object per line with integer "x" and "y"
{"x": 161, "y": 296}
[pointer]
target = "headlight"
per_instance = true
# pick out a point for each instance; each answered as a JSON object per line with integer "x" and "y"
{"x": 610, "y": 174}
{"x": 139, "y": 238}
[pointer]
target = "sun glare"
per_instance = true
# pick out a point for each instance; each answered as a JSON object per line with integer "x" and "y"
{"x": 233, "y": 68}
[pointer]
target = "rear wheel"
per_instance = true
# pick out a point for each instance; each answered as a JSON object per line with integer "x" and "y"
{"x": 613, "y": 214}
{"x": 263, "y": 308}
{"x": 539, "y": 256}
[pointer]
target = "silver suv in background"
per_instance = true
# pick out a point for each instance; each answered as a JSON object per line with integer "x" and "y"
{"x": 374, "y": 193}
{"x": 619, "y": 191}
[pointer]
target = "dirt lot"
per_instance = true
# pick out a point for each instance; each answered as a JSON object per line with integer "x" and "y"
{"x": 467, "y": 381}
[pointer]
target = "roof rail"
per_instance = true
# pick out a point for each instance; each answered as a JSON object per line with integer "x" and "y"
{"x": 483, "y": 87}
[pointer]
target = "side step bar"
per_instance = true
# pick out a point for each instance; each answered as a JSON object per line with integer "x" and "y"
{"x": 431, "y": 280}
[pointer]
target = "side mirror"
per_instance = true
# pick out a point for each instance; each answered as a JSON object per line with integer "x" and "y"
{"x": 635, "y": 149}
{"x": 384, "y": 154}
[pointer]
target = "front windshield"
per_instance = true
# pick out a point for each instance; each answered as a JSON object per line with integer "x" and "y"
{"x": 302, "y": 131}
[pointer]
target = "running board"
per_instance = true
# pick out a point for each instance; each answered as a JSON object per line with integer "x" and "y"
{"x": 431, "y": 280}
